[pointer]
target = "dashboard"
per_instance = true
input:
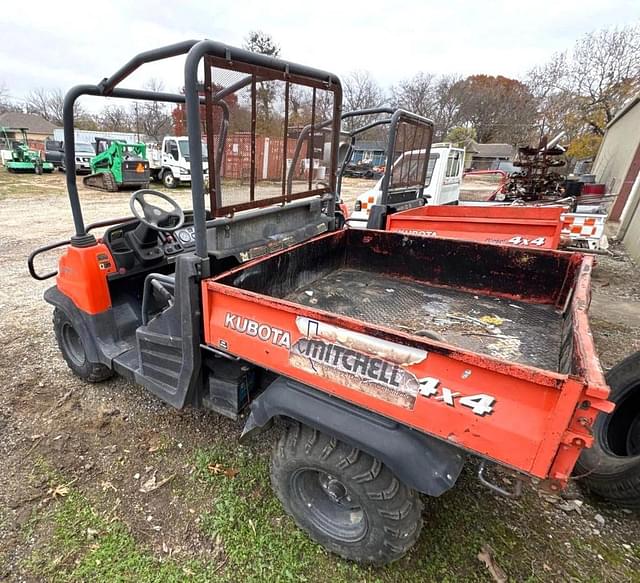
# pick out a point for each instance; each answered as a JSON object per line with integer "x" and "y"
{"x": 184, "y": 237}
{"x": 132, "y": 255}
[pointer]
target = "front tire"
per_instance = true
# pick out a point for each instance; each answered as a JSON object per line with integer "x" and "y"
{"x": 611, "y": 467}
{"x": 343, "y": 498}
{"x": 169, "y": 180}
{"x": 73, "y": 352}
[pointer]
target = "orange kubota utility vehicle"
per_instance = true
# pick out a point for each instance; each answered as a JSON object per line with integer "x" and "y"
{"x": 392, "y": 358}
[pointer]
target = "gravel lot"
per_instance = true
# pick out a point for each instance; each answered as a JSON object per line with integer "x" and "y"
{"x": 61, "y": 438}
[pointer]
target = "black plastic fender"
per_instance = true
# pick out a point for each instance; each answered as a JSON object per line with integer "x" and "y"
{"x": 422, "y": 462}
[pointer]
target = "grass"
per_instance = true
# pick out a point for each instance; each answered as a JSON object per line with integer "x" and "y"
{"x": 262, "y": 543}
{"x": 84, "y": 545}
{"x": 256, "y": 541}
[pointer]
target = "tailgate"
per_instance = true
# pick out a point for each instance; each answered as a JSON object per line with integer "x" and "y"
{"x": 537, "y": 227}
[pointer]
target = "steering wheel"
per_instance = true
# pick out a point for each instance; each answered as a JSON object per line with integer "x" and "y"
{"x": 153, "y": 216}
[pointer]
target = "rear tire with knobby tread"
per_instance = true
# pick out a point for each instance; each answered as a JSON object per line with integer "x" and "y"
{"x": 392, "y": 511}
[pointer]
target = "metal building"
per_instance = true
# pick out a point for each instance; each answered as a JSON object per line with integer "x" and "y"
{"x": 618, "y": 166}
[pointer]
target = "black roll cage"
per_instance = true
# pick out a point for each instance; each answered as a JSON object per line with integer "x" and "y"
{"x": 195, "y": 52}
{"x": 395, "y": 116}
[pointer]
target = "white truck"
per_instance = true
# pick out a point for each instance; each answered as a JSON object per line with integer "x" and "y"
{"x": 442, "y": 183}
{"x": 170, "y": 161}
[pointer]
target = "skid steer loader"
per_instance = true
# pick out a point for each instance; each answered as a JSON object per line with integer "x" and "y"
{"x": 118, "y": 165}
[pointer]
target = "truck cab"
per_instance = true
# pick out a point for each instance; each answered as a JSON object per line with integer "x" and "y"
{"x": 171, "y": 162}
{"x": 442, "y": 185}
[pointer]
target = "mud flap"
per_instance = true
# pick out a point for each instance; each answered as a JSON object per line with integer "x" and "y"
{"x": 422, "y": 462}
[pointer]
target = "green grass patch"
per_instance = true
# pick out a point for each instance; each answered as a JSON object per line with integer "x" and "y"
{"x": 86, "y": 547}
{"x": 531, "y": 542}
{"x": 263, "y": 543}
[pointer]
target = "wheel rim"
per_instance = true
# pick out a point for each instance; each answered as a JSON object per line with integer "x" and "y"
{"x": 168, "y": 179}
{"x": 622, "y": 430}
{"x": 330, "y": 505}
{"x": 73, "y": 344}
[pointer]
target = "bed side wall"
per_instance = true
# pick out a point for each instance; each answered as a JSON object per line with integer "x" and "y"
{"x": 284, "y": 272}
{"x": 532, "y": 275}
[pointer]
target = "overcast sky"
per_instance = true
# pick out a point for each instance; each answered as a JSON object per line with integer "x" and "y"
{"x": 57, "y": 45}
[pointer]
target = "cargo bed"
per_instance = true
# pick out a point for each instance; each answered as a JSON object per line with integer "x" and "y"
{"x": 485, "y": 346}
{"x": 505, "y": 328}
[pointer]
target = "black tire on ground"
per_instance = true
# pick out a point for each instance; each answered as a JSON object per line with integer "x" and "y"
{"x": 343, "y": 498}
{"x": 611, "y": 468}
{"x": 73, "y": 352}
{"x": 168, "y": 179}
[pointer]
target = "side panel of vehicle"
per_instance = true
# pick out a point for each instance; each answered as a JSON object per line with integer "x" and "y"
{"x": 54, "y": 153}
{"x": 82, "y": 276}
{"x": 536, "y": 227}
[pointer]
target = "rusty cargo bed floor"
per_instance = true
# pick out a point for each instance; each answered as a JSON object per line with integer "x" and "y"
{"x": 506, "y": 329}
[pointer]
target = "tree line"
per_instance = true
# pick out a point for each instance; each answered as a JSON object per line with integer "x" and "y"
{"x": 577, "y": 91}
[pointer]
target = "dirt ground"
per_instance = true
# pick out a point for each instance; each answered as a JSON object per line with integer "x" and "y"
{"x": 104, "y": 482}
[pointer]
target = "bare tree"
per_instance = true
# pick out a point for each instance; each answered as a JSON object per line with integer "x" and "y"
{"x": 430, "y": 96}
{"x": 153, "y": 117}
{"x": 360, "y": 91}
{"x": 580, "y": 90}
{"x": 605, "y": 70}
{"x": 417, "y": 94}
{"x": 447, "y": 105}
{"x": 48, "y": 103}
{"x": 5, "y": 99}
{"x": 115, "y": 118}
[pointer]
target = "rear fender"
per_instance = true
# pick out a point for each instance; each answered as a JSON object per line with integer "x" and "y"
{"x": 422, "y": 462}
